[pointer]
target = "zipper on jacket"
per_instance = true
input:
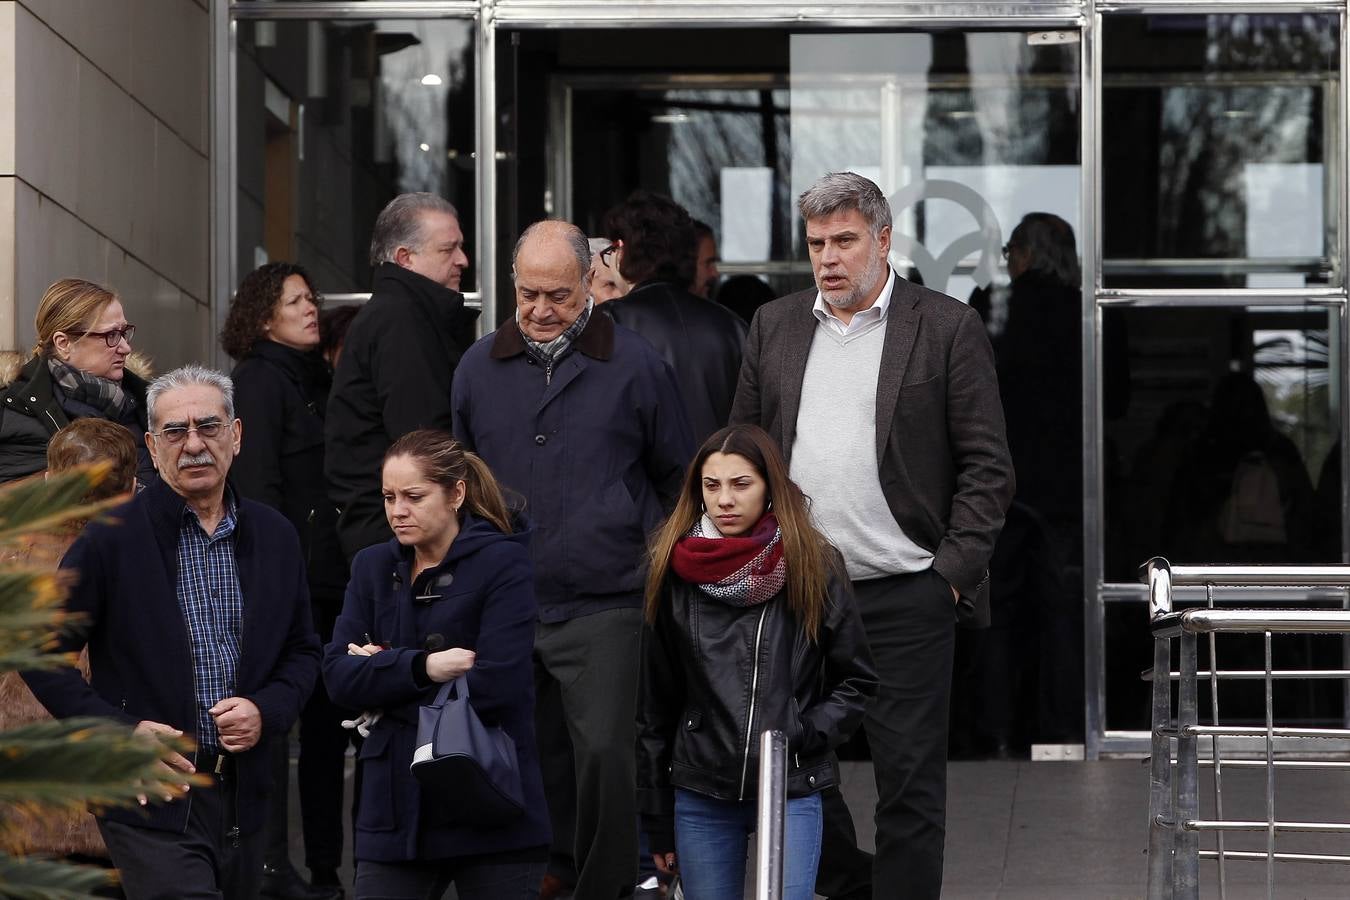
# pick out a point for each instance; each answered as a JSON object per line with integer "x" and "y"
{"x": 55, "y": 424}
{"x": 309, "y": 548}
{"x": 750, "y": 714}
{"x": 548, "y": 372}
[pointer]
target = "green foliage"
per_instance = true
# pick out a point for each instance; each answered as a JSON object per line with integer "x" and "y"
{"x": 38, "y": 504}
{"x": 30, "y": 615}
{"x": 49, "y": 765}
{"x": 34, "y": 878}
{"x": 59, "y": 765}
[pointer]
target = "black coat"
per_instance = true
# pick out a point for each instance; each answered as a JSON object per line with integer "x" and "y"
{"x": 486, "y": 605}
{"x": 701, "y": 340}
{"x": 281, "y": 395}
{"x": 715, "y": 676}
{"x": 393, "y": 377}
{"x": 140, "y": 652}
{"x": 598, "y": 453}
{"x": 32, "y": 410}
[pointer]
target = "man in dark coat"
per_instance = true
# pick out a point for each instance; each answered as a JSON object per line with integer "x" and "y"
{"x": 198, "y": 623}
{"x": 583, "y": 419}
{"x": 656, "y": 243}
{"x": 399, "y": 358}
{"x": 883, "y": 396}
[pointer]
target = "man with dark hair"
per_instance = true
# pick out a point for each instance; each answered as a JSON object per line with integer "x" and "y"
{"x": 196, "y": 610}
{"x": 706, "y": 274}
{"x": 893, "y": 385}
{"x": 394, "y": 373}
{"x": 701, "y": 340}
{"x": 581, "y": 418}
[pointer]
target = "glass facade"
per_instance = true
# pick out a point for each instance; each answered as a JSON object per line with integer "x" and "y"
{"x": 334, "y": 119}
{"x": 1181, "y": 393}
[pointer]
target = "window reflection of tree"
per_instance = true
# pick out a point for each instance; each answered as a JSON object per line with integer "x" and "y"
{"x": 730, "y": 129}
{"x": 1209, "y": 132}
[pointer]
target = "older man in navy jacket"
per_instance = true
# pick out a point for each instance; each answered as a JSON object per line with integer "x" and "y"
{"x": 198, "y": 623}
{"x": 583, "y": 419}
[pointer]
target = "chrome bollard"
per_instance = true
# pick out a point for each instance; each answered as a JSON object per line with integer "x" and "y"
{"x": 772, "y": 816}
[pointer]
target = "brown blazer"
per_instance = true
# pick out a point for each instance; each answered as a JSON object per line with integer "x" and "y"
{"x": 943, "y": 454}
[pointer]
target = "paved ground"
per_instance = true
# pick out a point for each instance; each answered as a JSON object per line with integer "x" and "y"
{"x": 1078, "y": 830}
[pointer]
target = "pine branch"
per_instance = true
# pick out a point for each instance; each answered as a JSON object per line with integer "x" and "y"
{"x": 35, "y": 878}
{"x": 31, "y": 616}
{"x": 41, "y": 503}
{"x": 67, "y": 763}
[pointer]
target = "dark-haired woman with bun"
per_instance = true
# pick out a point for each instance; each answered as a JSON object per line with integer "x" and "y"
{"x": 451, "y": 594}
{"x": 751, "y": 626}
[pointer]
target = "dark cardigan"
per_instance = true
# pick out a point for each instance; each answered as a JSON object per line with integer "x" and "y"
{"x": 140, "y": 654}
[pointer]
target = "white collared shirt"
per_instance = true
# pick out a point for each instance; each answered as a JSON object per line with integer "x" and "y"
{"x": 863, "y": 317}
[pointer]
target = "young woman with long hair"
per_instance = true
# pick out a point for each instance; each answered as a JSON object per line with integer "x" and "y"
{"x": 451, "y": 594}
{"x": 751, "y": 626}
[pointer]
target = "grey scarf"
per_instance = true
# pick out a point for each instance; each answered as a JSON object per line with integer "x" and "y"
{"x": 102, "y": 394}
{"x": 550, "y": 352}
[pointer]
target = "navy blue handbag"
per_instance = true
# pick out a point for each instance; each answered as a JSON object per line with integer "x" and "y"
{"x": 469, "y": 763}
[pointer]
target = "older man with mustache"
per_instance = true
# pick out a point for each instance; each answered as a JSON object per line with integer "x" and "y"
{"x": 197, "y": 614}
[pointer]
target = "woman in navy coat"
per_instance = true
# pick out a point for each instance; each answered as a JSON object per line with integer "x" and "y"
{"x": 451, "y": 594}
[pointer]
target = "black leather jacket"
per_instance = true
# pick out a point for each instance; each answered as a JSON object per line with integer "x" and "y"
{"x": 700, "y": 339}
{"x": 715, "y": 676}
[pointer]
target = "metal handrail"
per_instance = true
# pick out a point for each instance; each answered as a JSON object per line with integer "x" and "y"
{"x": 1160, "y": 576}
{"x": 772, "y": 816}
{"x": 1174, "y": 801}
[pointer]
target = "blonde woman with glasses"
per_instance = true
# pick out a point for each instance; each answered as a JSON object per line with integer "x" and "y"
{"x": 81, "y": 368}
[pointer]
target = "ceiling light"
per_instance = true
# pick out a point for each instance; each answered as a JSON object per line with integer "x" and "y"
{"x": 424, "y": 147}
{"x": 432, "y": 80}
{"x": 671, "y": 118}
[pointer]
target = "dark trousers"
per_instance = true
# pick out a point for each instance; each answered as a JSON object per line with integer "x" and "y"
{"x": 474, "y": 878}
{"x": 210, "y": 860}
{"x": 560, "y": 780}
{"x": 320, "y": 771}
{"x": 911, "y": 627}
{"x": 591, "y": 662}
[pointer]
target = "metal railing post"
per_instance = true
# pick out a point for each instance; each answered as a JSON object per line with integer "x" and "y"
{"x": 772, "y": 816}
{"x": 1174, "y": 796}
{"x": 1162, "y": 813}
{"x": 1186, "y": 865}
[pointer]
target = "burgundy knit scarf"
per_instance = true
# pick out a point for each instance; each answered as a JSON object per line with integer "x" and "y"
{"x": 741, "y": 571}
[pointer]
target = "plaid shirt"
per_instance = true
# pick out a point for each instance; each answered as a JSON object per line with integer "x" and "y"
{"x": 212, "y": 605}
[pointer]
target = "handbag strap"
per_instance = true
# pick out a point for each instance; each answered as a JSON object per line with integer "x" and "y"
{"x": 443, "y": 695}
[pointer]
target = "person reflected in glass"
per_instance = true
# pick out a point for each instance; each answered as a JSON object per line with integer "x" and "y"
{"x": 281, "y": 385}
{"x": 82, "y": 367}
{"x": 750, "y": 625}
{"x": 451, "y": 594}
{"x": 1020, "y": 681}
{"x": 1243, "y": 493}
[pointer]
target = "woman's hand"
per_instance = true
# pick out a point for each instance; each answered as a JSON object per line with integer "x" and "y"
{"x": 666, "y": 863}
{"x": 363, "y": 649}
{"x": 447, "y": 665}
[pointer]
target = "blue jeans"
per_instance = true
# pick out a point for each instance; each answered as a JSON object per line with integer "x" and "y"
{"x": 712, "y": 837}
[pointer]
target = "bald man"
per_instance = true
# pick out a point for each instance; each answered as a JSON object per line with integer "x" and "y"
{"x": 583, "y": 419}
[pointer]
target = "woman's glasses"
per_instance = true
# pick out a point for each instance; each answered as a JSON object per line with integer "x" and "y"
{"x": 607, "y": 254}
{"x": 112, "y": 337}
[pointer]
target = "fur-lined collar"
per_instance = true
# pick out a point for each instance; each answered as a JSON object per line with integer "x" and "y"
{"x": 12, "y": 363}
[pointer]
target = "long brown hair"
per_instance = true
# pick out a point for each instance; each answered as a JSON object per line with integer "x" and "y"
{"x": 444, "y": 460}
{"x": 810, "y": 558}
